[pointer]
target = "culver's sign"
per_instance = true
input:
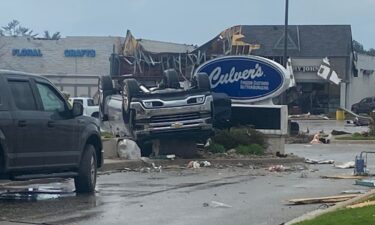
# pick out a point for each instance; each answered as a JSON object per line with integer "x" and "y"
{"x": 246, "y": 78}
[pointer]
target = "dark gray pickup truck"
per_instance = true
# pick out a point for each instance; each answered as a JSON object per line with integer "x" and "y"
{"x": 42, "y": 137}
{"x": 166, "y": 112}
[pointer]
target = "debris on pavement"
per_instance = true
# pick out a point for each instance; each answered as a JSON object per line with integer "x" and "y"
{"x": 314, "y": 161}
{"x": 215, "y": 204}
{"x": 170, "y": 156}
{"x": 367, "y": 183}
{"x": 321, "y": 138}
{"x": 193, "y": 164}
{"x": 196, "y": 164}
{"x": 154, "y": 168}
{"x": 303, "y": 175}
{"x": 347, "y": 165}
{"x": 354, "y": 192}
{"x": 360, "y": 205}
{"x": 145, "y": 170}
{"x": 276, "y": 168}
{"x": 128, "y": 149}
{"x": 328, "y": 199}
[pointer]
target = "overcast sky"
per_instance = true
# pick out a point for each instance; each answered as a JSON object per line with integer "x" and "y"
{"x": 184, "y": 21}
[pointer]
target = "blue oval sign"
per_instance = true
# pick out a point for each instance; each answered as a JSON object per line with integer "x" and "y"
{"x": 249, "y": 78}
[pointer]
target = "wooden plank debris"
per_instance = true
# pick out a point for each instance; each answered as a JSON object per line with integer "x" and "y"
{"x": 342, "y": 177}
{"x": 328, "y": 199}
{"x": 360, "y": 205}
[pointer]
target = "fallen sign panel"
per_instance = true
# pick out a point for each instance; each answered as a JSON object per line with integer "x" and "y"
{"x": 360, "y": 205}
{"x": 328, "y": 199}
{"x": 368, "y": 183}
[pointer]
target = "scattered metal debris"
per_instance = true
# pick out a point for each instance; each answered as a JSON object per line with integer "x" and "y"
{"x": 346, "y": 165}
{"x": 314, "y": 161}
{"x": 215, "y": 204}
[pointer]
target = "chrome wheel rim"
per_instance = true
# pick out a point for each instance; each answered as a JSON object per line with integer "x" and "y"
{"x": 93, "y": 169}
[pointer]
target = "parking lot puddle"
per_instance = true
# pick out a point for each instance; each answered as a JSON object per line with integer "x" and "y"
{"x": 34, "y": 193}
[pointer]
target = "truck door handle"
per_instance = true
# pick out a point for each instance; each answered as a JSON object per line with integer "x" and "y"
{"x": 22, "y": 123}
{"x": 50, "y": 124}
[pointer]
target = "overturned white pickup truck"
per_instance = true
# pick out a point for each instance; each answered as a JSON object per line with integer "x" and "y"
{"x": 164, "y": 112}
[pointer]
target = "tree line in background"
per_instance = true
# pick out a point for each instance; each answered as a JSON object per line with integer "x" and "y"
{"x": 358, "y": 47}
{"x": 15, "y": 29}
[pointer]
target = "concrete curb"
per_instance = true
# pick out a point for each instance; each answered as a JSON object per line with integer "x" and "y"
{"x": 117, "y": 164}
{"x": 319, "y": 212}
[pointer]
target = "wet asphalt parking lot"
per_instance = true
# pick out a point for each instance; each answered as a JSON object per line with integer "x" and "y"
{"x": 186, "y": 196}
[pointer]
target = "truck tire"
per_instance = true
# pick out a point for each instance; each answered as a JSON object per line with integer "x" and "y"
{"x": 95, "y": 115}
{"x": 131, "y": 88}
{"x": 203, "y": 82}
{"x": 105, "y": 89}
{"x": 171, "y": 79}
{"x": 86, "y": 180}
{"x": 105, "y": 83}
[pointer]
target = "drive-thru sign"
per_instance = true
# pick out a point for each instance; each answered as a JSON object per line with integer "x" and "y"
{"x": 246, "y": 78}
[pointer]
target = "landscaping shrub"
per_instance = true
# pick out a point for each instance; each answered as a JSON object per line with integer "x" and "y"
{"x": 105, "y": 134}
{"x": 252, "y": 149}
{"x": 216, "y": 148}
{"x": 239, "y": 136}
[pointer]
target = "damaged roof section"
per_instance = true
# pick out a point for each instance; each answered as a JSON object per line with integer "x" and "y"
{"x": 154, "y": 47}
{"x": 148, "y": 58}
{"x": 268, "y": 40}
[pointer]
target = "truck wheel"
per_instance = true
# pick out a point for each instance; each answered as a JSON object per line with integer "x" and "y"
{"x": 171, "y": 79}
{"x": 86, "y": 180}
{"x": 203, "y": 82}
{"x": 95, "y": 115}
{"x": 105, "y": 83}
{"x": 105, "y": 89}
{"x": 131, "y": 88}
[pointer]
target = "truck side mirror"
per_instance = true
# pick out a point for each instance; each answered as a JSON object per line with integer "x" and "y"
{"x": 77, "y": 109}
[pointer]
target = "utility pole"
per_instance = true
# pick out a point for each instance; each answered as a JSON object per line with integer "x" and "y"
{"x": 285, "y": 60}
{"x": 286, "y": 34}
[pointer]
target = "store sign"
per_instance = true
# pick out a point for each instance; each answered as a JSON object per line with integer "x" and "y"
{"x": 246, "y": 78}
{"x": 306, "y": 68}
{"x": 79, "y": 53}
{"x": 27, "y": 52}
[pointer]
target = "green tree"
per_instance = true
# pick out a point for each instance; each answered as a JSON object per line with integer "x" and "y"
{"x": 55, "y": 36}
{"x": 14, "y": 28}
{"x": 358, "y": 47}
